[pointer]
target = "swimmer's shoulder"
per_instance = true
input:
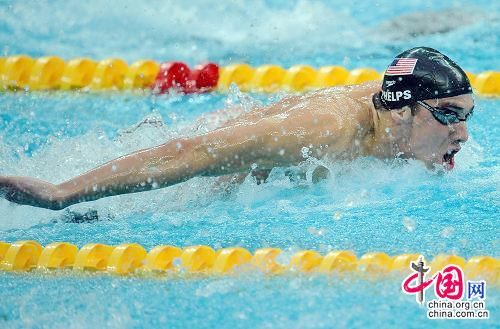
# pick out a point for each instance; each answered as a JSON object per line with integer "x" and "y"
{"x": 352, "y": 102}
{"x": 332, "y": 100}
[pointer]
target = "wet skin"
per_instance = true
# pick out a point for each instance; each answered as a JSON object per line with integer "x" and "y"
{"x": 341, "y": 123}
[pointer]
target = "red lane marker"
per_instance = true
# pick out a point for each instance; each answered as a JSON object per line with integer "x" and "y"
{"x": 206, "y": 76}
{"x": 171, "y": 75}
{"x": 177, "y": 75}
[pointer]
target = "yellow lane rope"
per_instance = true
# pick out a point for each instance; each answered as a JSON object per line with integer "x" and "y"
{"x": 130, "y": 258}
{"x": 22, "y": 72}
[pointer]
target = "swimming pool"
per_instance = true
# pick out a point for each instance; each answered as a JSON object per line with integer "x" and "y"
{"x": 366, "y": 205}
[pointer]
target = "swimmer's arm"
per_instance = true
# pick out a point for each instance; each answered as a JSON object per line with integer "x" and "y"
{"x": 227, "y": 150}
{"x": 143, "y": 170}
{"x": 139, "y": 171}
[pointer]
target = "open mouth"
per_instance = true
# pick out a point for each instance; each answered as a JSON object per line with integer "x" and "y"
{"x": 449, "y": 159}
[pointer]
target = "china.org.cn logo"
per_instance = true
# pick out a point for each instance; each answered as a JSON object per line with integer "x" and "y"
{"x": 449, "y": 290}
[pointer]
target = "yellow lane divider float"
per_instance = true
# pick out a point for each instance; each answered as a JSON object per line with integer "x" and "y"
{"x": 52, "y": 72}
{"x": 132, "y": 258}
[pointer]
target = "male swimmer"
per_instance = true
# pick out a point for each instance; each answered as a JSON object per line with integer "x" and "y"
{"x": 419, "y": 113}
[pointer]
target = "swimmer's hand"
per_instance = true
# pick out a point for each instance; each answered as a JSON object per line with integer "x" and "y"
{"x": 30, "y": 191}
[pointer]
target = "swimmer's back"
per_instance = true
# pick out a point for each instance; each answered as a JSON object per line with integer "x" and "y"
{"x": 318, "y": 100}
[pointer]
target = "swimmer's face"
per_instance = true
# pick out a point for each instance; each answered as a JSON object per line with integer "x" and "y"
{"x": 435, "y": 143}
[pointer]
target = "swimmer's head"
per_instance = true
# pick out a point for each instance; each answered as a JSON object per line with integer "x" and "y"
{"x": 421, "y": 73}
{"x": 429, "y": 98}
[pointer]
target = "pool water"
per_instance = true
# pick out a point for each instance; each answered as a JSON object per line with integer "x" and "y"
{"x": 366, "y": 205}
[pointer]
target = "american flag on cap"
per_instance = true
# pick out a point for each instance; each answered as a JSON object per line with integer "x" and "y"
{"x": 401, "y": 66}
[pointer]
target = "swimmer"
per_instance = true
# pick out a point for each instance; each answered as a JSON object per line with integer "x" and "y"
{"x": 419, "y": 112}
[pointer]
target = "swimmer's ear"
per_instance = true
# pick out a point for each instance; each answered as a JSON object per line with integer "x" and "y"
{"x": 402, "y": 115}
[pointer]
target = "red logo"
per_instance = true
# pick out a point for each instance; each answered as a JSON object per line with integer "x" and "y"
{"x": 449, "y": 282}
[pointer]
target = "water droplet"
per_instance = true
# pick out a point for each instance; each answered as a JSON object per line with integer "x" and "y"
{"x": 177, "y": 262}
{"x": 409, "y": 224}
{"x": 305, "y": 152}
{"x": 315, "y": 231}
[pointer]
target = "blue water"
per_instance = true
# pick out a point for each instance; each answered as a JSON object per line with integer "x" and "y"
{"x": 366, "y": 206}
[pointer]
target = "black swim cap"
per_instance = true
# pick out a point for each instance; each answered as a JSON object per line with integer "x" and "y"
{"x": 421, "y": 73}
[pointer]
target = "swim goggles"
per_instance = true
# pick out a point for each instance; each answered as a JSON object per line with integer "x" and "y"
{"x": 447, "y": 115}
